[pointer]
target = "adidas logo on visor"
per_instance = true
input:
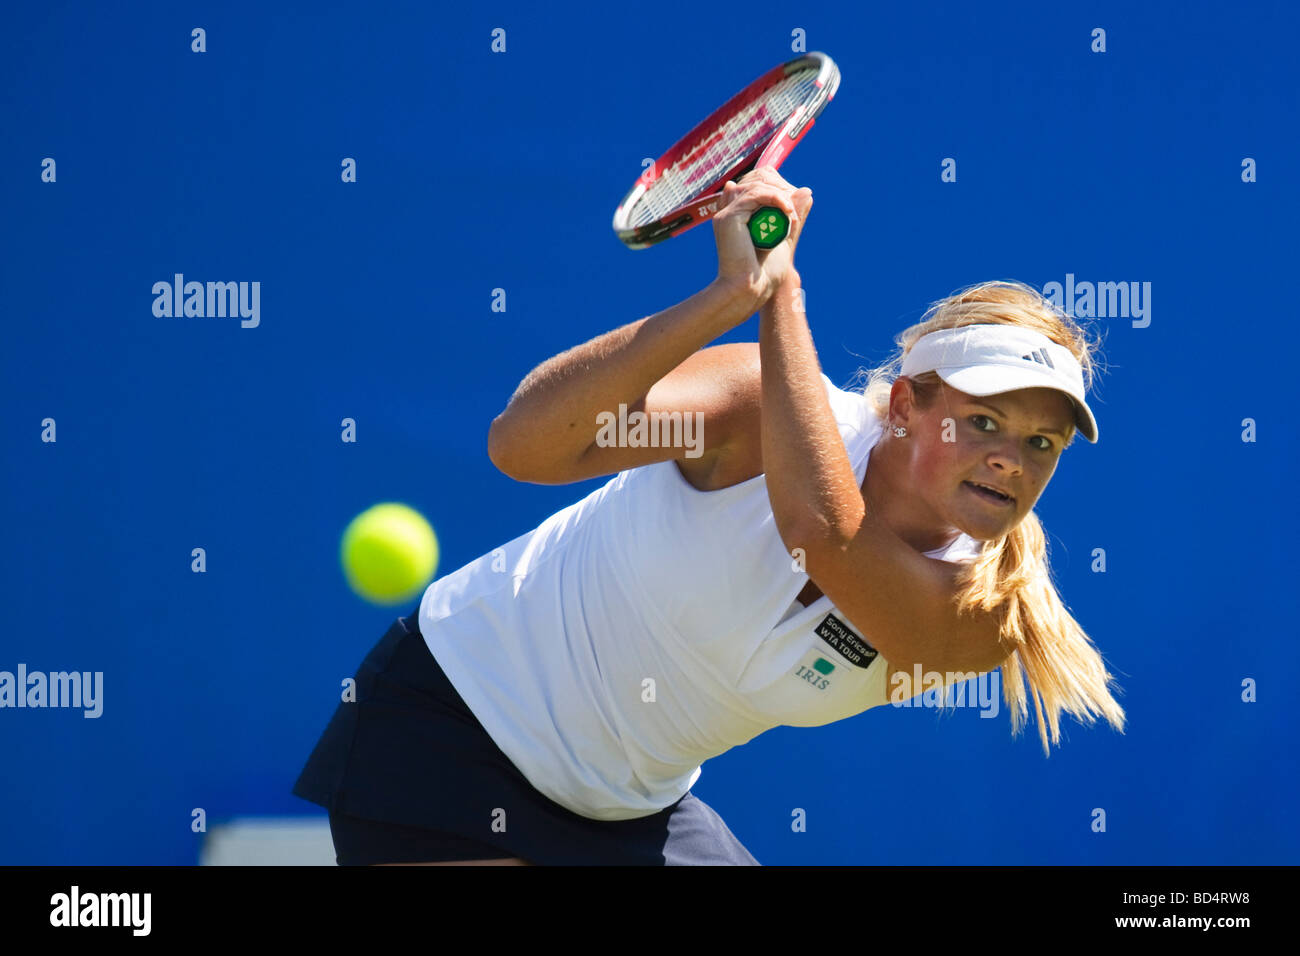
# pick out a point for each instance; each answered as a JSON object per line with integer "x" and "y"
{"x": 1040, "y": 356}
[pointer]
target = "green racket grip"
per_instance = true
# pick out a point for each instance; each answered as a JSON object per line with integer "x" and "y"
{"x": 768, "y": 227}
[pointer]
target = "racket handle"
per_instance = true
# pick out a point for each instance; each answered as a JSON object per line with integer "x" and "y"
{"x": 768, "y": 227}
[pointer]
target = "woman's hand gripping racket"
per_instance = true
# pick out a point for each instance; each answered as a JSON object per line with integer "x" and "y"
{"x": 756, "y": 128}
{"x": 741, "y": 265}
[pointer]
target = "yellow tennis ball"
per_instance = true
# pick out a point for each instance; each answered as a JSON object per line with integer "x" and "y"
{"x": 389, "y": 553}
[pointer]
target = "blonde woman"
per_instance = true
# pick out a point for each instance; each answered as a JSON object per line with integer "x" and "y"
{"x": 552, "y": 702}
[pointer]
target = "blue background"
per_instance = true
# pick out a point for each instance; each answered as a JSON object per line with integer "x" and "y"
{"x": 479, "y": 170}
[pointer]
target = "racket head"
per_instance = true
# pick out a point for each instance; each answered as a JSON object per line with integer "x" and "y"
{"x": 759, "y": 126}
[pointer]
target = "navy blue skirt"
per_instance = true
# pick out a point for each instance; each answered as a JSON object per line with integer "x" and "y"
{"x": 409, "y": 775}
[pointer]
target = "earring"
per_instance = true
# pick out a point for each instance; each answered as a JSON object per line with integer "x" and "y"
{"x": 900, "y": 431}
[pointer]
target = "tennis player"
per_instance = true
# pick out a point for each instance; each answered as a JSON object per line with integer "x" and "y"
{"x": 552, "y": 701}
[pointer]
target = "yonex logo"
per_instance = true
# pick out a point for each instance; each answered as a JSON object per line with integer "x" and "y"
{"x": 1040, "y": 356}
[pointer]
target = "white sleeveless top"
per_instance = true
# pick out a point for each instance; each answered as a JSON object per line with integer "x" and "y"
{"x": 648, "y": 627}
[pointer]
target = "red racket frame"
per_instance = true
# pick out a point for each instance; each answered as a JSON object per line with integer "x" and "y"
{"x": 771, "y": 152}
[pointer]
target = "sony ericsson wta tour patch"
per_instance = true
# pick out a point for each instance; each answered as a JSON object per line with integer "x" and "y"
{"x": 843, "y": 670}
{"x": 849, "y": 645}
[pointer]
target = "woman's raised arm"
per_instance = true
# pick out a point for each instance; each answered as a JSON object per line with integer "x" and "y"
{"x": 551, "y": 422}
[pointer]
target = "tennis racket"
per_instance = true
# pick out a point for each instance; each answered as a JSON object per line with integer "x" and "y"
{"x": 759, "y": 126}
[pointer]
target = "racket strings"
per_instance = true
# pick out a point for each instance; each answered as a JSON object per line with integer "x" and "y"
{"x": 743, "y": 134}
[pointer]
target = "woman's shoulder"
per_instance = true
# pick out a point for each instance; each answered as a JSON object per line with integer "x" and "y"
{"x": 851, "y": 407}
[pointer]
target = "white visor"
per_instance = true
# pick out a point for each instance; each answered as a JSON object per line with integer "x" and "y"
{"x": 991, "y": 359}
